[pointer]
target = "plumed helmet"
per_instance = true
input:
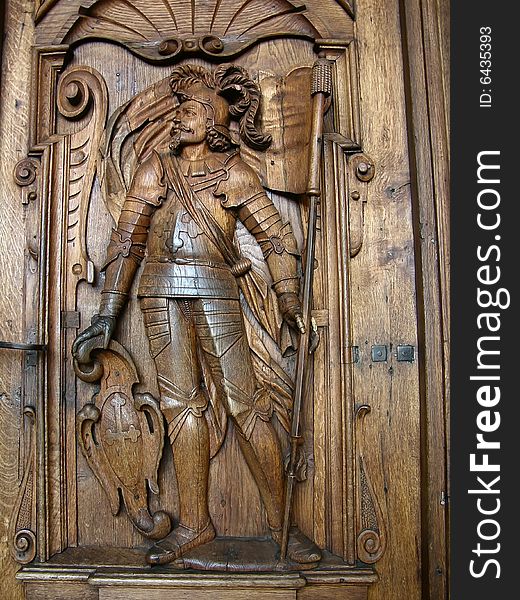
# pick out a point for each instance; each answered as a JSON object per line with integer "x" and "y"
{"x": 226, "y": 93}
{"x": 217, "y": 108}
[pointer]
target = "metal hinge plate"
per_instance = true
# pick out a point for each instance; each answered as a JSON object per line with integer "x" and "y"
{"x": 379, "y": 353}
{"x": 405, "y": 353}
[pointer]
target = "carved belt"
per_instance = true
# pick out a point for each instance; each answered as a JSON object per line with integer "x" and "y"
{"x": 241, "y": 267}
{"x": 188, "y": 261}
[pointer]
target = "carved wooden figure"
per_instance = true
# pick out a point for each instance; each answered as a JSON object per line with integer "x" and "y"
{"x": 217, "y": 242}
{"x": 180, "y": 215}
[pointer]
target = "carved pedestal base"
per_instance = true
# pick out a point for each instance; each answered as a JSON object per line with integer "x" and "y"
{"x": 241, "y": 555}
{"x": 124, "y": 576}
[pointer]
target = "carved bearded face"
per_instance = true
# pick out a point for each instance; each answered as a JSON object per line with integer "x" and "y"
{"x": 189, "y": 124}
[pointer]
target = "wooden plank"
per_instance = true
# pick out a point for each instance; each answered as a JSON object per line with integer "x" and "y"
{"x": 329, "y": 592}
{"x": 384, "y": 304}
{"x": 14, "y": 100}
{"x": 61, "y": 591}
{"x": 427, "y": 50}
{"x": 2, "y": 18}
{"x": 115, "y": 593}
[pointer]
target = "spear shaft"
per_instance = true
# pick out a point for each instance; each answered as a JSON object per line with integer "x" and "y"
{"x": 321, "y": 89}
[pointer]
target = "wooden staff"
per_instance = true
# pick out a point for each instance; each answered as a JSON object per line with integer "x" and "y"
{"x": 321, "y": 89}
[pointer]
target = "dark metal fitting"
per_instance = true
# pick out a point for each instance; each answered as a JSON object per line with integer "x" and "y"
{"x": 379, "y": 353}
{"x": 405, "y": 353}
{"x": 277, "y": 244}
{"x": 22, "y": 346}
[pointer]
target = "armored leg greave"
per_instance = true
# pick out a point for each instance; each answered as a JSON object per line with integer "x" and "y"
{"x": 191, "y": 460}
{"x": 182, "y": 334}
{"x": 264, "y": 459}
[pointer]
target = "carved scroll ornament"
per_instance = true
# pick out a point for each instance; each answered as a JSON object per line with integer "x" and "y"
{"x": 79, "y": 89}
{"x": 371, "y": 536}
{"x": 22, "y": 533}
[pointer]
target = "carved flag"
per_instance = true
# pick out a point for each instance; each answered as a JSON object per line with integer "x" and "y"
{"x": 286, "y": 117}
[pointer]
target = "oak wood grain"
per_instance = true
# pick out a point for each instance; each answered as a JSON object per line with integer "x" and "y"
{"x": 383, "y": 283}
{"x": 179, "y": 594}
{"x": 331, "y": 593}
{"x": 45, "y": 591}
{"x": 377, "y": 282}
{"x": 427, "y": 55}
{"x": 14, "y": 101}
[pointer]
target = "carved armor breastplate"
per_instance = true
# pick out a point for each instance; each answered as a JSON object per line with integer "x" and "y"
{"x": 182, "y": 260}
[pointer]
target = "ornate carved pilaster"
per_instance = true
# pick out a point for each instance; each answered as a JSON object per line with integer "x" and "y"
{"x": 371, "y": 528}
{"x": 26, "y": 534}
{"x": 22, "y": 533}
{"x": 56, "y": 181}
{"x": 80, "y": 89}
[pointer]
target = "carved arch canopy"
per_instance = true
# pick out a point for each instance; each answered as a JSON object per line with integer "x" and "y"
{"x": 78, "y": 106}
{"x": 165, "y": 30}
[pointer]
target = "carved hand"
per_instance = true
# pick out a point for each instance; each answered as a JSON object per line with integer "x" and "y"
{"x": 291, "y": 309}
{"x": 100, "y": 325}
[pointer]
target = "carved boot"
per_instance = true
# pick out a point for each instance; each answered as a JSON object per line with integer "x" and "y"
{"x": 300, "y": 549}
{"x": 263, "y": 456}
{"x": 181, "y": 540}
{"x": 191, "y": 460}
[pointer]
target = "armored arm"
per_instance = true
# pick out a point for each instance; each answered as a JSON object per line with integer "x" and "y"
{"x": 276, "y": 240}
{"x": 126, "y": 249}
{"x": 243, "y": 192}
{"x": 128, "y": 241}
{"x": 278, "y": 245}
{"x": 124, "y": 254}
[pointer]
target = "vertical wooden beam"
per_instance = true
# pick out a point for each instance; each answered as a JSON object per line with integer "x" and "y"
{"x": 17, "y": 32}
{"x": 2, "y": 27}
{"x": 384, "y": 304}
{"x": 426, "y": 49}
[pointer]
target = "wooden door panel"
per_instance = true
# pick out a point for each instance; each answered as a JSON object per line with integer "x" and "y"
{"x": 364, "y": 417}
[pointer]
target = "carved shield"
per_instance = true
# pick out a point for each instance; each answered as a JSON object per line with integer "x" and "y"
{"x": 121, "y": 436}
